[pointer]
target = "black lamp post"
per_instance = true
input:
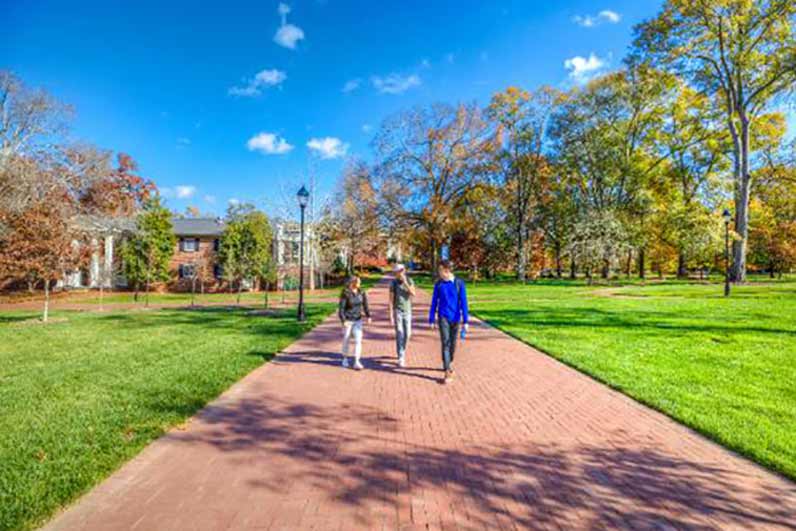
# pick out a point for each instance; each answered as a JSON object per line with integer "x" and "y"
{"x": 727, "y": 215}
{"x": 303, "y": 197}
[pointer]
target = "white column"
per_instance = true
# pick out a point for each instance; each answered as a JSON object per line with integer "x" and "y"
{"x": 107, "y": 275}
{"x": 94, "y": 267}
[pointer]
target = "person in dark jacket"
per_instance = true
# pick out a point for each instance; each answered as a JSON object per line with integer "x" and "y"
{"x": 352, "y": 309}
{"x": 448, "y": 309}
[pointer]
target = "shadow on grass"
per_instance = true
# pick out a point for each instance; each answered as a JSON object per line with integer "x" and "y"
{"x": 532, "y": 485}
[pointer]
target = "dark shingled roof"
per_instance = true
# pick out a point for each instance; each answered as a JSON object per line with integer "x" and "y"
{"x": 197, "y": 226}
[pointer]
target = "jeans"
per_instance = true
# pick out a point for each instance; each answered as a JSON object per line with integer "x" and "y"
{"x": 448, "y": 333}
{"x": 352, "y": 329}
{"x": 403, "y": 331}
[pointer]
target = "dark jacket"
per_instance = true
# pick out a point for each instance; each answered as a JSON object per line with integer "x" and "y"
{"x": 353, "y": 305}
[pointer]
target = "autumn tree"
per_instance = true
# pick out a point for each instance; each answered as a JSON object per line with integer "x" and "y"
{"x": 522, "y": 120}
{"x": 121, "y": 192}
{"x": 146, "y": 255}
{"x": 39, "y": 245}
{"x": 429, "y": 159}
{"x": 354, "y": 218}
{"x": 740, "y": 53}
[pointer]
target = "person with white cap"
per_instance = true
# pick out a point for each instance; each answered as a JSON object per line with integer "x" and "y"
{"x": 402, "y": 289}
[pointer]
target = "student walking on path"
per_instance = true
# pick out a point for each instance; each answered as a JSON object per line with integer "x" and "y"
{"x": 448, "y": 308}
{"x": 352, "y": 309}
{"x": 399, "y": 306}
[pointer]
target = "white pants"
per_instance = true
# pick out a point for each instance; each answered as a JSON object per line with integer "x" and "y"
{"x": 352, "y": 328}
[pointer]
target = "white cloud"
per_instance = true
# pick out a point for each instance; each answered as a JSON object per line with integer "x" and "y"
{"x": 184, "y": 191}
{"x": 609, "y": 16}
{"x": 395, "y": 83}
{"x": 269, "y": 144}
{"x": 210, "y": 199}
{"x": 425, "y": 63}
{"x": 351, "y": 85}
{"x": 581, "y": 69}
{"x": 328, "y": 147}
{"x": 263, "y": 79}
{"x": 183, "y": 141}
{"x": 233, "y": 201}
{"x": 287, "y": 35}
{"x": 590, "y": 21}
{"x": 367, "y": 128}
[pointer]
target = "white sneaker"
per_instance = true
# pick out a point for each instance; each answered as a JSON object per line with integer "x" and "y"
{"x": 358, "y": 366}
{"x": 401, "y": 362}
{"x": 345, "y": 362}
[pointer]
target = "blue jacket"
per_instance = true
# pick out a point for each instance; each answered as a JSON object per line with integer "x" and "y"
{"x": 449, "y": 301}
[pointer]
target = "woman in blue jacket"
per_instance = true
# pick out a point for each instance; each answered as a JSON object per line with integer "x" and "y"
{"x": 448, "y": 308}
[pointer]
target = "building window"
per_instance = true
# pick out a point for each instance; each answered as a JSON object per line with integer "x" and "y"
{"x": 187, "y": 270}
{"x": 190, "y": 245}
{"x": 216, "y": 244}
{"x": 218, "y": 271}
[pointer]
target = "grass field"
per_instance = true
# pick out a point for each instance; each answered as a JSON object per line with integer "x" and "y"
{"x": 83, "y": 394}
{"x": 723, "y": 366}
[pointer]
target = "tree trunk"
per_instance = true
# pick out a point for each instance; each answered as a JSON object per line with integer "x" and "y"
{"x": 681, "y": 270}
{"x": 606, "y": 269}
{"x": 573, "y": 268}
{"x": 46, "y": 313}
{"x": 629, "y": 263}
{"x": 434, "y": 251}
{"x": 193, "y": 292}
{"x": 146, "y": 293}
{"x": 559, "y": 267}
{"x": 588, "y": 276}
{"x": 641, "y": 265}
{"x": 521, "y": 257}
{"x": 743, "y": 183}
{"x": 240, "y": 288}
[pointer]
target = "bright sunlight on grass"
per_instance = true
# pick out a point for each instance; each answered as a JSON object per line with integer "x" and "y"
{"x": 725, "y": 367}
{"x": 80, "y": 396}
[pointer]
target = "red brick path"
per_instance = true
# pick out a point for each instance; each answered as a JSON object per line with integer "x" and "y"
{"x": 518, "y": 441}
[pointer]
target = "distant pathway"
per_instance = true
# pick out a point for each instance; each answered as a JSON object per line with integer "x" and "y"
{"x": 518, "y": 441}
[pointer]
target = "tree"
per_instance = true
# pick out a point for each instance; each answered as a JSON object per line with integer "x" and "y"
{"x": 245, "y": 248}
{"x": 742, "y": 54}
{"x": 598, "y": 240}
{"x": 691, "y": 136}
{"x": 772, "y": 230}
{"x": 603, "y": 140}
{"x": 429, "y": 159}
{"x": 121, "y": 192}
{"x": 146, "y": 255}
{"x": 522, "y": 120}
{"x": 28, "y": 119}
{"x": 355, "y": 217}
{"x": 39, "y": 246}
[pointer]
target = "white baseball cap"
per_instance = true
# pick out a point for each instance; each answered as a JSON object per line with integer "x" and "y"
{"x": 398, "y": 268}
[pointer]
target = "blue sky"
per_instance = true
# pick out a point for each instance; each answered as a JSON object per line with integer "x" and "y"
{"x": 222, "y": 102}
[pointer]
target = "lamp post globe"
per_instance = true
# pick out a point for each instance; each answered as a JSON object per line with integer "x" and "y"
{"x": 727, "y": 215}
{"x": 303, "y": 197}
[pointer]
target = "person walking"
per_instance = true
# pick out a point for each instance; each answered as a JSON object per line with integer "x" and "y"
{"x": 448, "y": 309}
{"x": 402, "y": 289}
{"x": 353, "y": 307}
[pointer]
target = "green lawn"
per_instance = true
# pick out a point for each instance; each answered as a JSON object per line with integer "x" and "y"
{"x": 83, "y": 394}
{"x": 725, "y": 367}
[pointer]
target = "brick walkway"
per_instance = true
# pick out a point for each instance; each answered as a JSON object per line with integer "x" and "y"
{"x": 518, "y": 441}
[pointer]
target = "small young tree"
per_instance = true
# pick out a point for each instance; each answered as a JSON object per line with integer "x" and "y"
{"x": 147, "y": 254}
{"x": 246, "y": 247}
